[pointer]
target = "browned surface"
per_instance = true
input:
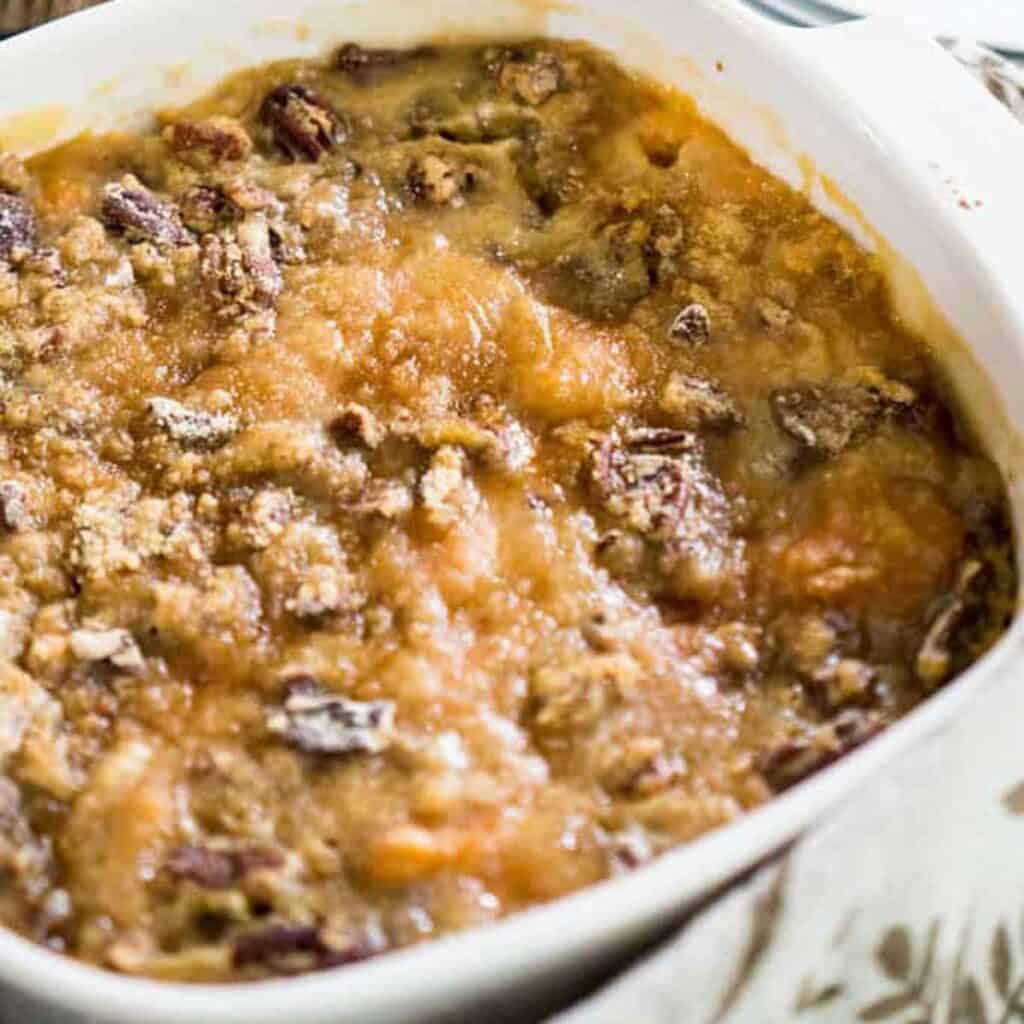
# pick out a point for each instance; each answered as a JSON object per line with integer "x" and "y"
{"x": 432, "y": 484}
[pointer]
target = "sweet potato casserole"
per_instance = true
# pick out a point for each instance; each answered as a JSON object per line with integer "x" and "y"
{"x": 432, "y": 482}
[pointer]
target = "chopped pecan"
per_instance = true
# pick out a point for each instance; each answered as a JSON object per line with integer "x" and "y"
{"x": 219, "y": 869}
{"x": 389, "y": 499}
{"x": 116, "y": 646}
{"x": 258, "y": 255}
{"x": 740, "y": 646}
{"x": 629, "y": 849}
{"x": 248, "y": 196}
{"x": 573, "y": 696}
{"x": 211, "y": 869}
{"x": 14, "y": 514}
{"x": 322, "y": 724}
{"x": 18, "y": 233}
{"x": 692, "y": 325}
{"x": 262, "y": 518}
{"x": 499, "y": 441}
{"x": 46, "y": 261}
{"x": 448, "y": 494}
{"x": 305, "y": 127}
{"x": 14, "y": 176}
{"x": 208, "y": 141}
{"x": 366, "y": 66}
{"x": 795, "y": 759}
{"x": 621, "y": 553}
{"x": 646, "y": 489}
{"x": 294, "y": 949}
{"x": 934, "y": 661}
{"x": 654, "y": 483}
{"x": 191, "y": 428}
{"x": 820, "y": 419}
{"x": 640, "y": 767}
{"x": 324, "y": 588}
{"x": 805, "y": 642}
{"x": 846, "y": 680}
{"x": 773, "y": 315}
{"x": 141, "y": 215}
{"x": 697, "y": 403}
{"x": 287, "y": 241}
{"x": 532, "y": 79}
{"x": 666, "y": 239}
{"x": 205, "y": 208}
{"x": 433, "y": 180}
{"x": 812, "y": 647}
{"x": 355, "y": 423}
{"x": 240, "y": 266}
{"x": 660, "y": 439}
{"x": 828, "y": 419}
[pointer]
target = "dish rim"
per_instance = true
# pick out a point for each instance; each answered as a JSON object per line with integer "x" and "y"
{"x": 524, "y": 937}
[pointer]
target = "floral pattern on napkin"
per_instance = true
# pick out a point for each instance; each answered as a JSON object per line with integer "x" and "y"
{"x": 1002, "y": 78}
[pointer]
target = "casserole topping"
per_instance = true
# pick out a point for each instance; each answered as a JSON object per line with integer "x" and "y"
{"x": 434, "y": 481}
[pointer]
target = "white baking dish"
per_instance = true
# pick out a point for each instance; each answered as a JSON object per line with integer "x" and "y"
{"x": 899, "y": 130}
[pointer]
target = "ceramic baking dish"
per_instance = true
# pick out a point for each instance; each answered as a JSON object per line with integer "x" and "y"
{"x": 884, "y": 131}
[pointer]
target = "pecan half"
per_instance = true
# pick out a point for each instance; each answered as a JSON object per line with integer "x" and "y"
{"x": 18, "y": 233}
{"x": 322, "y": 724}
{"x": 142, "y": 216}
{"x": 305, "y": 127}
